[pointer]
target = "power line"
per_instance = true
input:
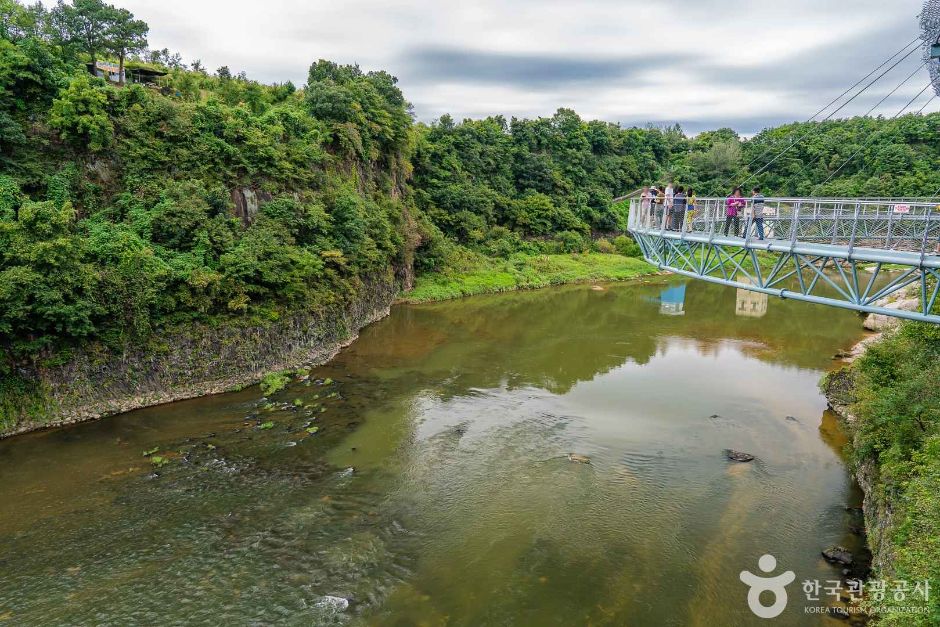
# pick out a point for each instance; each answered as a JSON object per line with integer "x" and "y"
{"x": 875, "y": 135}
{"x": 818, "y": 127}
{"x": 843, "y": 94}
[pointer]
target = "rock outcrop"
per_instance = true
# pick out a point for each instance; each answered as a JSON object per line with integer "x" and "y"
{"x": 197, "y": 360}
{"x": 247, "y": 201}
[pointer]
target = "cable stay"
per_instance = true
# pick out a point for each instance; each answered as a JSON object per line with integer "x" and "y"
{"x": 818, "y": 127}
{"x": 874, "y": 136}
{"x": 843, "y": 94}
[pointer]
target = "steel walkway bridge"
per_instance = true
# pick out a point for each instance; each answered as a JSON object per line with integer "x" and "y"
{"x": 851, "y": 254}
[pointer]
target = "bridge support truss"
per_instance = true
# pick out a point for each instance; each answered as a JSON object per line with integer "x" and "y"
{"x": 837, "y": 273}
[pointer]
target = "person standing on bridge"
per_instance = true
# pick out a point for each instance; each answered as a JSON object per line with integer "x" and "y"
{"x": 678, "y": 209}
{"x": 646, "y": 203}
{"x": 670, "y": 194}
{"x": 659, "y": 198}
{"x": 691, "y": 208}
{"x": 733, "y": 211}
{"x": 758, "y": 209}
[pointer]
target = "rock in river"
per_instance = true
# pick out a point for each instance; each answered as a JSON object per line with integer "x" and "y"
{"x": 337, "y": 604}
{"x": 838, "y": 555}
{"x": 579, "y": 459}
{"x": 738, "y": 456}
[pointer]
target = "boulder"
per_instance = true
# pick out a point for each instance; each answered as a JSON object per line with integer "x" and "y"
{"x": 738, "y": 456}
{"x": 881, "y": 322}
{"x": 838, "y": 555}
{"x": 337, "y": 604}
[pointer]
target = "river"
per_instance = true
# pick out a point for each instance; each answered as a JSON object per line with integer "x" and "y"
{"x": 423, "y": 475}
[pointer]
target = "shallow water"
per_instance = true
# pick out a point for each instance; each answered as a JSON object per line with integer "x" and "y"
{"x": 462, "y": 508}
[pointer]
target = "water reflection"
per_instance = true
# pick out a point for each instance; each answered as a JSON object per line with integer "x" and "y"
{"x": 672, "y": 301}
{"x": 751, "y": 304}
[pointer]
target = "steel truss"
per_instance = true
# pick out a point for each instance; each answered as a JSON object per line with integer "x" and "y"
{"x": 842, "y": 272}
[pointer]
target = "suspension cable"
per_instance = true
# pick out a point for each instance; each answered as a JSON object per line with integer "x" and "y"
{"x": 768, "y": 150}
{"x": 876, "y": 135}
{"x": 818, "y": 127}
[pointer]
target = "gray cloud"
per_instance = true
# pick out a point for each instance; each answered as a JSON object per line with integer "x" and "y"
{"x": 829, "y": 66}
{"x": 527, "y": 70}
{"x": 702, "y": 63}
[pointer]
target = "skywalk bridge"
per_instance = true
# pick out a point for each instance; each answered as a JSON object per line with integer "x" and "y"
{"x": 838, "y": 252}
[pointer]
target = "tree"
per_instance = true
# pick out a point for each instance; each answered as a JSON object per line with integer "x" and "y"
{"x": 126, "y": 36}
{"x": 86, "y": 24}
{"x": 80, "y": 113}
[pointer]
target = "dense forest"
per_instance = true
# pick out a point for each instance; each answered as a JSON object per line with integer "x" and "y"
{"x": 127, "y": 205}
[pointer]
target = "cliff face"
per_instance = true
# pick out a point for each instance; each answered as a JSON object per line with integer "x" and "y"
{"x": 195, "y": 361}
{"x": 839, "y": 388}
{"x": 889, "y": 423}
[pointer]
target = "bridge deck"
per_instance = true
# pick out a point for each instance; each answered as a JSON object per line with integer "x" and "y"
{"x": 843, "y": 253}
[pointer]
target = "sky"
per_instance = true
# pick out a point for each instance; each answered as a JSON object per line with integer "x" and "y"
{"x": 704, "y": 64}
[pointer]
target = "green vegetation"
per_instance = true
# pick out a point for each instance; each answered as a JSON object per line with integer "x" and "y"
{"x": 896, "y": 399}
{"x": 211, "y": 198}
{"x": 117, "y": 204}
{"x": 483, "y": 275}
{"x": 274, "y": 382}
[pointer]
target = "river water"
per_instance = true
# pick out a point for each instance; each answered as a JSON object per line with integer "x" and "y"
{"x": 437, "y": 489}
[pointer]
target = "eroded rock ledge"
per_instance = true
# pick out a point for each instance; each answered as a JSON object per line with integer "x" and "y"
{"x": 197, "y": 361}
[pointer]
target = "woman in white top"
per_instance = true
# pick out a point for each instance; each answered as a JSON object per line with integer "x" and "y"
{"x": 646, "y": 202}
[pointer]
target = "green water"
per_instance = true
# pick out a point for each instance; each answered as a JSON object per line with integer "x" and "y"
{"x": 462, "y": 508}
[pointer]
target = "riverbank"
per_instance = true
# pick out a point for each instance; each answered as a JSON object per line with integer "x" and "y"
{"x": 889, "y": 397}
{"x": 199, "y": 360}
{"x": 524, "y": 272}
{"x": 185, "y": 362}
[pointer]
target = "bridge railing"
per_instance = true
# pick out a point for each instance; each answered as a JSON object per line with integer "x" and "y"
{"x": 900, "y": 225}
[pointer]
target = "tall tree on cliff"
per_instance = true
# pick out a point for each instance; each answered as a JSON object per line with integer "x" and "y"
{"x": 126, "y": 36}
{"x": 85, "y": 25}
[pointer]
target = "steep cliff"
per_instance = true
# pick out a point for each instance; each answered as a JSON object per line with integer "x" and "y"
{"x": 193, "y": 360}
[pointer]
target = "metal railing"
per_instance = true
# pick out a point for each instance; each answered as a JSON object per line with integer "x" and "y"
{"x": 885, "y": 225}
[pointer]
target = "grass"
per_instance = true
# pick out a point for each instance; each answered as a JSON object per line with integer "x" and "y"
{"x": 521, "y": 272}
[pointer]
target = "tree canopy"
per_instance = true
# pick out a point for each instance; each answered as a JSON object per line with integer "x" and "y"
{"x": 213, "y": 196}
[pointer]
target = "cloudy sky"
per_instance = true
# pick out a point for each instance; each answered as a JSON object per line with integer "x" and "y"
{"x": 702, "y": 63}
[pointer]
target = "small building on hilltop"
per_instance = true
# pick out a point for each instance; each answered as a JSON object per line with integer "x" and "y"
{"x": 134, "y": 72}
{"x": 144, "y": 73}
{"x": 110, "y": 72}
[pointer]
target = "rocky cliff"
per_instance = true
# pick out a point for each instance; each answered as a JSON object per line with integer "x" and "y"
{"x": 194, "y": 361}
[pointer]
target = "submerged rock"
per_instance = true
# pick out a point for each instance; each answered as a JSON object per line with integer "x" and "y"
{"x": 337, "y": 604}
{"x": 738, "y": 456}
{"x": 838, "y": 555}
{"x": 579, "y": 459}
{"x": 792, "y": 419}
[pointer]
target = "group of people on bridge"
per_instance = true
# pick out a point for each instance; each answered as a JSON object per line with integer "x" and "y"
{"x": 675, "y": 208}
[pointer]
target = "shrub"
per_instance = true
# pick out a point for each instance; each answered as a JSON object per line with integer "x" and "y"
{"x": 570, "y": 242}
{"x": 603, "y": 245}
{"x": 627, "y": 247}
{"x": 80, "y": 113}
{"x": 274, "y": 382}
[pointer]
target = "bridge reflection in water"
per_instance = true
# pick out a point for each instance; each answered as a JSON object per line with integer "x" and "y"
{"x": 750, "y": 304}
{"x": 852, "y": 254}
{"x": 672, "y": 301}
